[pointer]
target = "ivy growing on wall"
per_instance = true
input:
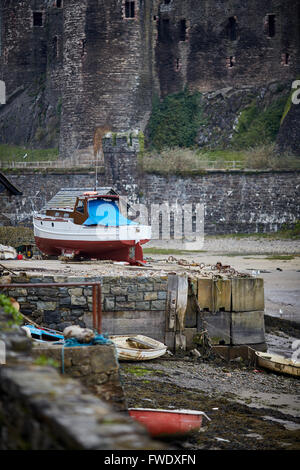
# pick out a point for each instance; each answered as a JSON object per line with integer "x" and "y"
{"x": 174, "y": 122}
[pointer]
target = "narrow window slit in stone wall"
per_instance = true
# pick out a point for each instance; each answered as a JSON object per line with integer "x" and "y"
{"x": 285, "y": 59}
{"x": 129, "y": 9}
{"x": 271, "y": 25}
{"x": 54, "y": 47}
{"x": 232, "y": 28}
{"x": 182, "y": 30}
{"x": 177, "y": 65}
{"x": 230, "y": 62}
{"x": 37, "y": 18}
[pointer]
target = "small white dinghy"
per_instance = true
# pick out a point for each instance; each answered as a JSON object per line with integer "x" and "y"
{"x": 137, "y": 347}
{"x": 278, "y": 363}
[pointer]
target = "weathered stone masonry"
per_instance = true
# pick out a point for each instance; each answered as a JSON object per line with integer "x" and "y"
{"x": 82, "y": 65}
{"x": 129, "y": 305}
{"x": 40, "y": 409}
{"x": 235, "y": 201}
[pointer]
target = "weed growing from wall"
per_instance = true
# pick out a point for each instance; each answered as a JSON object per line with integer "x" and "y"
{"x": 258, "y": 127}
{"x": 175, "y": 121}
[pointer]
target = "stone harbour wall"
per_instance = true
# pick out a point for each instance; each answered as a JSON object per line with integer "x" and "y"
{"x": 129, "y": 305}
{"x": 96, "y": 367}
{"x": 40, "y": 409}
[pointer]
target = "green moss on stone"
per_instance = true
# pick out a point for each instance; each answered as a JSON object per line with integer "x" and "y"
{"x": 256, "y": 127}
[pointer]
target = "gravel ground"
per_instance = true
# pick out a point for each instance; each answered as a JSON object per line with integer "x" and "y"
{"x": 249, "y": 409}
{"x": 226, "y": 244}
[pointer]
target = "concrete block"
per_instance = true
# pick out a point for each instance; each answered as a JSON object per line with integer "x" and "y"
{"x": 222, "y": 295}
{"x": 247, "y": 294}
{"x": 218, "y": 326}
{"x": 247, "y": 327}
{"x": 205, "y": 296}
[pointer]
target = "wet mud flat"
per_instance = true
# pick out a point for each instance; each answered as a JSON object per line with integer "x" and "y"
{"x": 249, "y": 409}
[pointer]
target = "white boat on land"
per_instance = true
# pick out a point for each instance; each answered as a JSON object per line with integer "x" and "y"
{"x": 137, "y": 347}
{"x": 277, "y": 363}
{"x": 90, "y": 224}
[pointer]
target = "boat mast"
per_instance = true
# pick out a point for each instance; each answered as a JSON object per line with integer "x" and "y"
{"x": 96, "y": 172}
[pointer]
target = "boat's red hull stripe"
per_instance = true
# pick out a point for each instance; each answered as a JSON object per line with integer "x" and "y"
{"x": 116, "y": 250}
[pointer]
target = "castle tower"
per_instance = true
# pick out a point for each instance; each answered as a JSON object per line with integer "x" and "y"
{"x": 107, "y": 69}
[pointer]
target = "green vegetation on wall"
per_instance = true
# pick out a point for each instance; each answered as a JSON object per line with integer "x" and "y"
{"x": 258, "y": 127}
{"x": 16, "y": 153}
{"x": 16, "y": 317}
{"x": 174, "y": 122}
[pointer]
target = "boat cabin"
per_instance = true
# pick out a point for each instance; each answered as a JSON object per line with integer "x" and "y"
{"x": 90, "y": 208}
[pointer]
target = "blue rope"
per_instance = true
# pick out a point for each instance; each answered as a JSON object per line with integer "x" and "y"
{"x": 98, "y": 339}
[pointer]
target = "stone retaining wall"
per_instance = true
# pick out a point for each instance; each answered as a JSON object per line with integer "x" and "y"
{"x": 42, "y": 410}
{"x": 129, "y": 305}
{"x": 96, "y": 367}
{"x": 234, "y": 201}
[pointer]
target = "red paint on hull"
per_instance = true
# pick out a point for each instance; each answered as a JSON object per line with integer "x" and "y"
{"x": 160, "y": 422}
{"x": 117, "y": 250}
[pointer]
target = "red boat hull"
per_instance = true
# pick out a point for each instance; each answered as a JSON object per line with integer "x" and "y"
{"x": 118, "y": 250}
{"x": 163, "y": 422}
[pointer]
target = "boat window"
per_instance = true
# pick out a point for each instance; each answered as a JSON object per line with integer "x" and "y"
{"x": 80, "y": 207}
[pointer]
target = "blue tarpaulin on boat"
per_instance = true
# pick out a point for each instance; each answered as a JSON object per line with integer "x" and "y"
{"x": 105, "y": 213}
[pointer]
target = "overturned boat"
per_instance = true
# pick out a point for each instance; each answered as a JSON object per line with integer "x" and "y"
{"x": 161, "y": 422}
{"x": 90, "y": 224}
{"x": 137, "y": 347}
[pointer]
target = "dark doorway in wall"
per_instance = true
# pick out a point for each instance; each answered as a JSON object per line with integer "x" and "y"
{"x": 129, "y": 9}
{"x": 59, "y": 3}
{"x": 231, "y": 28}
{"x": 271, "y": 25}
{"x": 182, "y": 30}
{"x": 37, "y": 18}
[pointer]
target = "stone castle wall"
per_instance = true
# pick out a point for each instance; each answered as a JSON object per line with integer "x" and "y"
{"x": 74, "y": 67}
